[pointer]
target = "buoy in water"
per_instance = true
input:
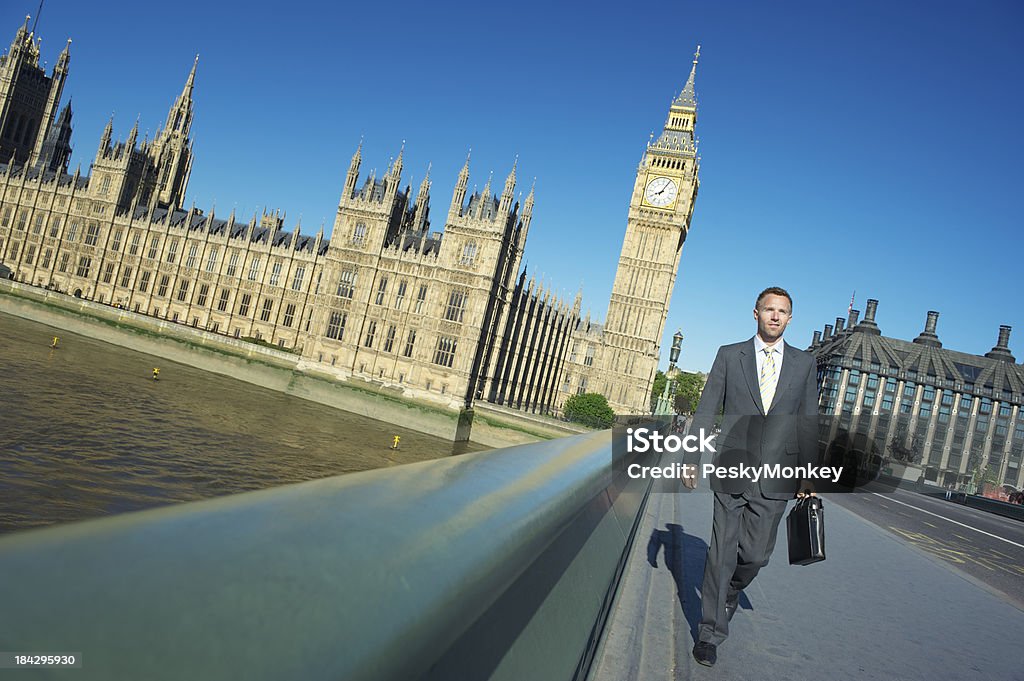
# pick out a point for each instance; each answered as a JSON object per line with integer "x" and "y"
{"x": 55, "y": 341}
{"x": 156, "y": 374}
{"x": 394, "y": 445}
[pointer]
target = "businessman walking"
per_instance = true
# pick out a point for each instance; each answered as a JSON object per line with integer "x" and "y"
{"x": 767, "y": 392}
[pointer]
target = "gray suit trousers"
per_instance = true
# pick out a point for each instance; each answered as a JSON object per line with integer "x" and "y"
{"x": 742, "y": 539}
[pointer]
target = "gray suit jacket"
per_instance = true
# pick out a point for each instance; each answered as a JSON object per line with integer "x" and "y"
{"x": 786, "y": 435}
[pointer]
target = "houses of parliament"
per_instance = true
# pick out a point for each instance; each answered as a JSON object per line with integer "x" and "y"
{"x": 450, "y": 317}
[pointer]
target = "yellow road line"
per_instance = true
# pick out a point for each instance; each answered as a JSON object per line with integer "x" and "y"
{"x": 955, "y": 522}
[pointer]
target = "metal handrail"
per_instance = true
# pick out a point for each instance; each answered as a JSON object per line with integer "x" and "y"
{"x": 370, "y": 575}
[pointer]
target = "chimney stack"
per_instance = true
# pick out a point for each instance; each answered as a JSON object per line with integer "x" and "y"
{"x": 1002, "y": 348}
{"x": 928, "y": 336}
{"x": 868, "y": 325}
{"x": 828, "y": 332}
{"x": 854, "y": 316}
{"x": 817, "y": 338}
{"x": 839, "y": 325}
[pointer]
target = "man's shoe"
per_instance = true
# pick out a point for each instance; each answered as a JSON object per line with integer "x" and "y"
{"x": 705, "y": 653}
{"x": 732, "y": 604}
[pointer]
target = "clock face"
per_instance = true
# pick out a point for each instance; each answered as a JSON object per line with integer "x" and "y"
{"x": 661, "y": 192}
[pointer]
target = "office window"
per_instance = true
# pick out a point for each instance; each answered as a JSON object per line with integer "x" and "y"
{"x": 232, "y": 265}
{"x": 7, "y": 217}
{"x": 108, "y": 272}
{"x": 211, "y": 260}
{"x": 468, "y": 253}
{"x": 154, "y": 247}
{"x": 63, "y": 267}
{"x": 289, "y": 315}
{"x": 382, "y": 288}
{"x": 133, "y": 249}
{"x": 268, "y": 306}
{"x": 275, "y": 274}
{"x": 126, "y": 276}
{"x": 300, "y": 274}
{"x": 243, "y": 305}
{"x": 144, "y": 282}
{"x": 115, "y": 240}
{"x": 193, "y": 253}
{"x": 72, "y": 234}
{"x": 22, "y": 220}
{"x": 172, "y": 251}
{"x": 444, "y": 355}
{"x": 47, "y": 254}
{"x": 37, "y": 225}
{"x": 55, "y": 226}
{"x": 588, "y": 358}
{"x": 183, "y": 290}
{"x": 30, "y": 254}
{"x": 165, "y": 280}
{"x": 254, "y": 269}
{"x": 371, "y": 332}
{"x": 389, "y": 339}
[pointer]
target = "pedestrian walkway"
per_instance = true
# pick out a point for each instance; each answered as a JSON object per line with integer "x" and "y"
{"x": 877, "y": 608}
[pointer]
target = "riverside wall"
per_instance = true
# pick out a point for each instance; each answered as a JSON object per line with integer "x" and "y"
{"x": 268, "y": 367}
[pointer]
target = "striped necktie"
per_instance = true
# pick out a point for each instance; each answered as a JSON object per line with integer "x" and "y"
{"x": 768, "y": 379}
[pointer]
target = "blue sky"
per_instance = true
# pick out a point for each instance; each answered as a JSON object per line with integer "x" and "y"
{"x": 869, "y": 147}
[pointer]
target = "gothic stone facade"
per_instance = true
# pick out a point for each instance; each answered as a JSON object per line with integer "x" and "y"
{"x": 449, "y": 317}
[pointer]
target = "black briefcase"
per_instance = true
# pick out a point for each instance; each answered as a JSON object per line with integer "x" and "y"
{"x": 805, "y": 526}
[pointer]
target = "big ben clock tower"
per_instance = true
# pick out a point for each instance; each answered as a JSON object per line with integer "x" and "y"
{"x": 659, "y": 219}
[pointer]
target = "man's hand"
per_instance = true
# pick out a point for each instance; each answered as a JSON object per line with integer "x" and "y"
{"x": 689, "y": 477}
{"x": 806, "y": 489}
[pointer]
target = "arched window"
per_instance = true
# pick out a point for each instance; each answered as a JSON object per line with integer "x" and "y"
{"x": 359, "y": 234}
{"x": 468, "y": 253}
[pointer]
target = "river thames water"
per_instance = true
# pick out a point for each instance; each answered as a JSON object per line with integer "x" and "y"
{"x": 85, "y": 431}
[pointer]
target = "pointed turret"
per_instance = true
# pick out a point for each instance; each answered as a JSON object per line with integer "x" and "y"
{"x": 423, "y": 196}
{"x": 459, "y": 195}
{"x": 133, "y": 135}
{"x": 396, "y": 169}
{"x": 508, "y": 192}
{"x": 56, "y": 149}
{"x": 352, "y": 176}
{"x": 65, "y": 56}
{"x": 170, "y": 155}
{"x": 108, "y": 132}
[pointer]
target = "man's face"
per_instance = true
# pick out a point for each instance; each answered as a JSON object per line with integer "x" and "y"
{"x": 773, "y": 313}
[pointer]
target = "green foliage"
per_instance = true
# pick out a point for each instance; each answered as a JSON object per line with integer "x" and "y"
{"x": 684, "y": 386}
{"x": 590, "y": 409}
{"x": 690, "y": 386}
{"x": 659, "y": 387}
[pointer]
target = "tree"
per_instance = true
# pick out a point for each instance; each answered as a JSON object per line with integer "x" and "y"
{"x": 684, "y": 385}
{"x": 590, "y": 409}
{"x": 689, "y": 387}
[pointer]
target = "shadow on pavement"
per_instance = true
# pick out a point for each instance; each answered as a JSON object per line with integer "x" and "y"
{"x": 684, "y": 558}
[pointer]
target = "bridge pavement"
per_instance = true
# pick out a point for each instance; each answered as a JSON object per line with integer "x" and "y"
{"x": 877, "y": 608}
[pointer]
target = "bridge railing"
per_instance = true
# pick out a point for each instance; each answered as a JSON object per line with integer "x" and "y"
{"x": 492, "y": 565}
